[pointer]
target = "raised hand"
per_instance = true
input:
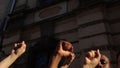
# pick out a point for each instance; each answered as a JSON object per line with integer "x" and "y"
{"x": 64, "y": 49}
{"x": 19, "y": 48}
{"x": 92, "y": 59}
{"x": 16, "y": 53}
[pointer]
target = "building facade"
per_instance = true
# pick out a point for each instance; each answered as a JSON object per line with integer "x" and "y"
{"x": 92, "y": 24}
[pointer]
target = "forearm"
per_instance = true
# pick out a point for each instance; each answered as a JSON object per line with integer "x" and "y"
{"x": 55, "y": 61}
{"x": 8, "y": 61}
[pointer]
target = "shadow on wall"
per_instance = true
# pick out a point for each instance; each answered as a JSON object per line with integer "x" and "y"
{"x": 40, "y": 54}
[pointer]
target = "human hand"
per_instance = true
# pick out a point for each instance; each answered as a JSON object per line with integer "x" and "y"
{"x": 64, "y": 49}
{"x": 69, "y": 59}
{"x": 19, "y": 49}
{"x": 92, "y": 59}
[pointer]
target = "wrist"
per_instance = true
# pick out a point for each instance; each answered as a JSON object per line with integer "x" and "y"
{"x": 87, "y": 66}
{"x": 55, "y": 61}
{"x": 65, "y": 66}
{"x": 57, "y": 58}
{"x": 14, "y": 56}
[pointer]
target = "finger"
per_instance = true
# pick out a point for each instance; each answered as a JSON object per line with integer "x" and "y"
{"x": 89, "y": 54}
{"x": 60, "y": 46}
{"x": 15, "y": 45}
{"x": 23, "y": 47}
{"x": 66, "y": 53}
{"x": 23, "y": 44}
{"x": 87, "y": 60}
{"x": 71, "y": 48}
{"x": 13, "y": 51}
{"x": 98, "y": 54}
{"x": 70, "y": 58}
{"x": 93, "y": 53}
{"x": 73, "y": 56}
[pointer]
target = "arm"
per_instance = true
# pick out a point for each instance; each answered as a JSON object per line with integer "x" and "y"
{"x": 13, "y": 56}
{"x": 55, "y": 61}
{"x": 67, "y": 60}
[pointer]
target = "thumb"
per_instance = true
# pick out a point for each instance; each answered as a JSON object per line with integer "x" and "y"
{"x": 13, "y": 51}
